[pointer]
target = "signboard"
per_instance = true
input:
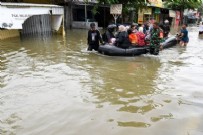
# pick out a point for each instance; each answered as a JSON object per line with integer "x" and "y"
{"x": 172, "y": 13}
{"x": 14, "y": 17}
{"x": 156, "y": 3}
{"x": 116, "y": 9}
{"x": 147, "y": 11}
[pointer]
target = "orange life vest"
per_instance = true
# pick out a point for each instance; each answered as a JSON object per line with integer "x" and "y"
{"x": 133, "y": 38}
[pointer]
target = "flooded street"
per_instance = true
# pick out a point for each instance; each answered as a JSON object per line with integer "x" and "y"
{"x": 53, "y": 86}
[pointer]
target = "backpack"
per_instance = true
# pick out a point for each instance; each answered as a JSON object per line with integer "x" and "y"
{"x": 140, "y": 38}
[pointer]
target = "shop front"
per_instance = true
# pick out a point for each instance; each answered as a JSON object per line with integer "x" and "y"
{"x": 151, "y": 13}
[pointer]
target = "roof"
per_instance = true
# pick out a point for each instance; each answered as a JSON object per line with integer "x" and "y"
{"x": 27, "y": 4}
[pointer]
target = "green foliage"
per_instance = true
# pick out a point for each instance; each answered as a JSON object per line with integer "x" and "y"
{"x": 136, "y": 4}
{"x": 200, "y": 9}
{"x": 183, "y": 4}
{"x": 127, "y": 4}
{"x": 94, "y": 10}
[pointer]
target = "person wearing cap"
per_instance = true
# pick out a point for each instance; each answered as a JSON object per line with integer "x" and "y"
{"x": 108, "y": 36}
{"x": 166, "y": 28}
{"x": 93, "y": 39}
{"x": 155, "y": 40}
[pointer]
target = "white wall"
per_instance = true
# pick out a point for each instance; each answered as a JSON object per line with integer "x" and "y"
{"x": 12, "y": 17}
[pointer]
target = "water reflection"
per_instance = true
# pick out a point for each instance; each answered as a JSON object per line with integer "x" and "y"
{"x": 201, "y": 36}
{"x": 127, "y": 84}
{"x": 133, "y": 124}
{"x": 123, "y": 81}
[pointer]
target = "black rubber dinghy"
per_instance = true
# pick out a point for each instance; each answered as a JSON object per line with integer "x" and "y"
{"x": 112, "y": 50}
{"x": 170, "y": 42}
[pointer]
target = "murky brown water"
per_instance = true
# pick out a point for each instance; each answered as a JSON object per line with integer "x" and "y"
{"x": 53, "y": 86}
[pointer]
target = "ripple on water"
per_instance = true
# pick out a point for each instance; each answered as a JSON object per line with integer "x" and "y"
{"x": 162, "y": 117}
{"x": 10, "y": 124}
{"x": 134, "y": 124}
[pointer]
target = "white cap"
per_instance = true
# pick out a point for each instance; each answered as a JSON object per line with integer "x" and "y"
{"x": 166, "y": 21}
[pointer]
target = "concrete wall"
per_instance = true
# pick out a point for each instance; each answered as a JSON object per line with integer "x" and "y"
{"x": 4, "y": 34}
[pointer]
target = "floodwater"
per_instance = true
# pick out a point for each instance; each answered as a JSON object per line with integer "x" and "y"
{"x": 53, "y": 86}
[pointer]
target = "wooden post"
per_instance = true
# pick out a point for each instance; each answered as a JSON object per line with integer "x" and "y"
{"x": 63, "y": 26}
{"x": 104, "y": 17}
{"x": 85, "y": 12}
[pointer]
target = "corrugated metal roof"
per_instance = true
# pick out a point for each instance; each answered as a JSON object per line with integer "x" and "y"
{"x": 27, "y": 4}
{"x": 57, "y": 11}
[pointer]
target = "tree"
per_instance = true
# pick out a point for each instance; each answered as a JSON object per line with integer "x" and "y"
{"x": 129, "y": 6}
{"x": 200, "y": 9}
{"x": 181, "y": 5}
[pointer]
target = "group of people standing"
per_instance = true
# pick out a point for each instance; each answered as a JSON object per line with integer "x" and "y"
{"x": 133, "y": 36}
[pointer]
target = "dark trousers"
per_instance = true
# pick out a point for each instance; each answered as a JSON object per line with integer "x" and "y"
{"x": 154, "y": 50}
{"x": 166, "y": 34}
{"x": 93, "y": 46}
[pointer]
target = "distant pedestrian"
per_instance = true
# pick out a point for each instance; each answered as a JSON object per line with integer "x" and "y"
{"x": 201, "y": 29}
{"x": 184, "y": 36}
{"x": 94, "y": 37}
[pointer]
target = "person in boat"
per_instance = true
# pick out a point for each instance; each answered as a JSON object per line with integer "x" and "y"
{"x": 141, "y": 28}
{"x": 94, "y": 37}
{"x": 184, "y": 39}
{"x": 122, "y": 39}
{"x": 156, "y": 38}
{"x": 140, "y": 38}
{"x": 108, "y": 36}
{"x": 146, "y": 28}
{"x": 147, "y": 33}
{"x": 151, "y": 22}
{"x": 132, "y": 37}
{"x": 166, "y": 28}
{"x": 132, "y": 34}
{"x": 134, "y": 27}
